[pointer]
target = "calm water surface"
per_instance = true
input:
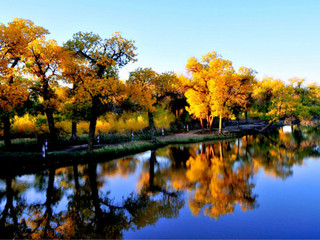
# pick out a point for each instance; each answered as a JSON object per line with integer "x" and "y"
{"x": 264, "y": 186}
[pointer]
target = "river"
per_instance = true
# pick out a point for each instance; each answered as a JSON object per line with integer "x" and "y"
{"x": 263, "y": 186}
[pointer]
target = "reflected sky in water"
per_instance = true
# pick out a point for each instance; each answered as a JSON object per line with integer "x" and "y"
{"x": 264, "y": 186}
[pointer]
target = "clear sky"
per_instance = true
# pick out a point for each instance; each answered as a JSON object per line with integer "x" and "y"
{"x": 277, "y": 38}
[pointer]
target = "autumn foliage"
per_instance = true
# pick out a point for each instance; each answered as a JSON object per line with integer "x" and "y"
{"x": 46, "y": 88}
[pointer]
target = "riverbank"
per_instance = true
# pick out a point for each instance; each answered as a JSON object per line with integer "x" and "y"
{"x": 22, "y": 163}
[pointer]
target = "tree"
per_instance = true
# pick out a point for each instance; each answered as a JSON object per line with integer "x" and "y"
{"x": 178, "y": 102}
{"x": 274, "y": 99}
{"x": 14, "y": 40}
{"x": 98, "y": 81}
{"x": 247, "y": 80}
{"x": 42, "y": 64}
{"x": 215, "y": 88}
{"x": 304, "y": 101}
{"x": 150, "y": 89}
{"x": 76, "y": 108}
{"x": 313, "y": 99}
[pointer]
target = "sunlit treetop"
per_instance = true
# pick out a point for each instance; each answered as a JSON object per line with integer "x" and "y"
{"x": 15, "y": 37}
{"x": 297, "y": 82}
{"x": 14, "y": 40}
{"x": 149, "y": 87}
{"x": 103, "y": 54}
{"x": 215, "y": 87}
{"x": 44, "y": 58}
{"x": 92, "y": 64}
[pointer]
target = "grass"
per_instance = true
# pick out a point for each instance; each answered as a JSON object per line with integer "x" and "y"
{"x": 34, "y": 145}
{"x": 24, "y": 162}
{"x": 199, "y": 138}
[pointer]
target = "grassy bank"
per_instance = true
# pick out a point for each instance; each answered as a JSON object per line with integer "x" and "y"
{"x": 17, "y": 163}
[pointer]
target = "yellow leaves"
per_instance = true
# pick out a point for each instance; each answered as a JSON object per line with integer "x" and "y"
{"x": 14, "y": 39}
{"x": 297, "y": 81}
{"x": 44, "y": 57}
{"x": 278, "y": 100}
{"x": 163, "y": 118}
{"x": 197, "y": 101}
{"x": 28, "y": 125}
{"x": 103, "y": 127}
{"x": 193, "y": 65}
{"x": 215, "y": 88}
{"x": 147, "y": 88}
{"x": 127, "y": 122}
{"x": 219, "y": 183}
{"x": 140, "y": 95}
{"x": 92, "y": 67}
{"x": 13, "y": 95}
{"x": 114, "y": 52}
{"x": 25, "y": 125}
{"x": 17, "y": 35}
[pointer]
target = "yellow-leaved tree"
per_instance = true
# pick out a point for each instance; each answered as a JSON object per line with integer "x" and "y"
{"x": 150, "y": 89}
{"x": 43, "y": 60}
{"x": 215, "y": 88}
{"x": 274, "y": 100}
{"x": 14, "y": 41}
{"x": 97, "y": 79}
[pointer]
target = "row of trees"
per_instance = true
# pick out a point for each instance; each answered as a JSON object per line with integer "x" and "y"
{"x": 33, "y": 70}
{"x": 80, "y": 81}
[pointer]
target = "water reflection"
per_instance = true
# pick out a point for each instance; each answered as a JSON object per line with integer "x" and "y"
{"x": 212, "y": 178}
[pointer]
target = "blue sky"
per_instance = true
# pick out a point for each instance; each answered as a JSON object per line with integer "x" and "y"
{"x": 277, "y": 38}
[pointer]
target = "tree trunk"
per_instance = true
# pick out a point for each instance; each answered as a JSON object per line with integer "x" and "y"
{"x": 92, "y": 174}
{"x": 238, "y": 124}
{"x": 220, "y": 124}
{"x": 202, "y": 126}
{"x": 221, "y": 151}
{"x": 151, "y": 170}
{"x": 152, "y": 127}
{"x": 92, "y": 126}
{"x": 74, "y": 131}
{"x": 49, "y": 201}
{"x": 9, "y": 193}
{"x": 92, "y": 129}
{"x": 210, "y": 123}
{"x": 52, "y": 129}
{"x": 246, "y": 115}
{"x": 77, "y": 210}
{"x": 6, "y": 131}
{"x": 76, "y": 178}
{"x": 266, "y": 127}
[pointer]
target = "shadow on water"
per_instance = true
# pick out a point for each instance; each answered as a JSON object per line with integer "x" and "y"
{"x": 212, "y": 178}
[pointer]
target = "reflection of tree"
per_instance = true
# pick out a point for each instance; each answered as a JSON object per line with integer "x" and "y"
{"x": 155, "y": 179}
{"x": 155, "y": 182}
{"x": 106, "y": 219}
{"x": 9, "y": 227}
{"x": 218, "y": 177}
{"x": 123, "y": 167}
{"x": 221, "y": 181}
{"x": 9, "y": 208}
{"x": 278, "y": 152}
{"x": 43, "y": 222}
{"x": 180, "y": 156}
{"x": 91, "y": 214}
